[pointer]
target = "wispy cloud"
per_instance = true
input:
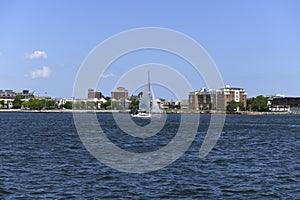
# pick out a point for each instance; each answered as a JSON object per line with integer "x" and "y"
{"x": 37, "y": 55}
{"x": 44, "y": 72}
{"x": 107, "y": 75}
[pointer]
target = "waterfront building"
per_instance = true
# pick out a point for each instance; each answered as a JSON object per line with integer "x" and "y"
{"x": 25, "y": 95}
{"x": 234, "y": 94}
{"x": 7, "y": 94}
{"x": 94, "y": 94}
{"x": 119, "y": 99}
{"x": 96, "y": 97}
{"x": 120, "y": 93}
{"x": 286, "y": 101}
{"x": 7, "y": 97}
{"x": 206, "y": 99}
{"x": 61, "y": 101}
{"x": 280, "y": 103}
{"x": 184, "y": 104}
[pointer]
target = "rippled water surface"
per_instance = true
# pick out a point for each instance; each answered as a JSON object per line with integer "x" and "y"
{"x": 256, "y": 157}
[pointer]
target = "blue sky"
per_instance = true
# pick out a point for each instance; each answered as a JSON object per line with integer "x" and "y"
{"x": 255, "y": 44}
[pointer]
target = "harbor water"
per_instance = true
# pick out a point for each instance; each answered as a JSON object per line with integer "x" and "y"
{"x": 256, "y": 157}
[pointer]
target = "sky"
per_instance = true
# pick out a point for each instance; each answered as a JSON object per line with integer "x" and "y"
{"x": 254, "y": 44}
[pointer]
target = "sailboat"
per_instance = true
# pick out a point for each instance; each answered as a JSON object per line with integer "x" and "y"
{"x": 148, "y": 106}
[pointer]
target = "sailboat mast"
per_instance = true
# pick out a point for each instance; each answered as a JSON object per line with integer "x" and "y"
{"x": 149, "y": 94}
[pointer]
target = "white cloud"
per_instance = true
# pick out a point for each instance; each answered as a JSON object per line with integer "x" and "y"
{"x": 107, "y": 75}
{"x": 44, "y": 72}
{"x": 37, "y": 55}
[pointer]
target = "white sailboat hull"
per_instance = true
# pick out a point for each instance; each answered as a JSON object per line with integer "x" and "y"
{"x": 141, "y": 115}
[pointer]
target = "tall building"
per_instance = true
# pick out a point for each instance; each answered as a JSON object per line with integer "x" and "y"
{"x": 120, "y": 93}
{"x": 94, "y": 94}
{"x": 206, "y": 100}
{"x": 216, "y": 100}
{"x": 234, "y": 94}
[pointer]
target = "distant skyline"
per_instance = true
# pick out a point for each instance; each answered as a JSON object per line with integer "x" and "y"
{"x": 255, "y": 44}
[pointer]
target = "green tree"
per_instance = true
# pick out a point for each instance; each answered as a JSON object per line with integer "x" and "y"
{"x": 67, "y": 105}
{"x": 2, "y": 104}
{"x": 25, "y": 104}
{"x": 233, "y": 107}
{"x": 250, "y": 104}
{"x": 50, "y": 104}
{"x": 79, "y": 105}
{"x": 210, "y": 105}
{"x": 134, "y": 104}
{"x": 259, "y": 103}
{"x": 106, "y": 105}
{"x": 91, "y": 105}
{"x": 117, "y": 104}
{"x": 17, "y": 103}
{"x": 36, "y": 104}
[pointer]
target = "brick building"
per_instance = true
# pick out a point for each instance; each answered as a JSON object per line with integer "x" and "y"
{"x": 94, "y": 94}
{"x": 234, "y": 94}
{"x": 216, "y": 100}
{"x": 120, "y": 93}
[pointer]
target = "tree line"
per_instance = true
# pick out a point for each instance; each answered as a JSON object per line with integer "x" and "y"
{"x": 34, "y": 104}
{"x": 39, "y": 104}
{"x": 257, "y": 104}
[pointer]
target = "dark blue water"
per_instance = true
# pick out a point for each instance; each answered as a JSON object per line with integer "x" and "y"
{"x": 256, "y": 157}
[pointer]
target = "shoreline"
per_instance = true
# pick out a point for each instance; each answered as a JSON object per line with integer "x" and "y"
{"x": 249, "y": 113}
{"x": 58, "y": 111}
